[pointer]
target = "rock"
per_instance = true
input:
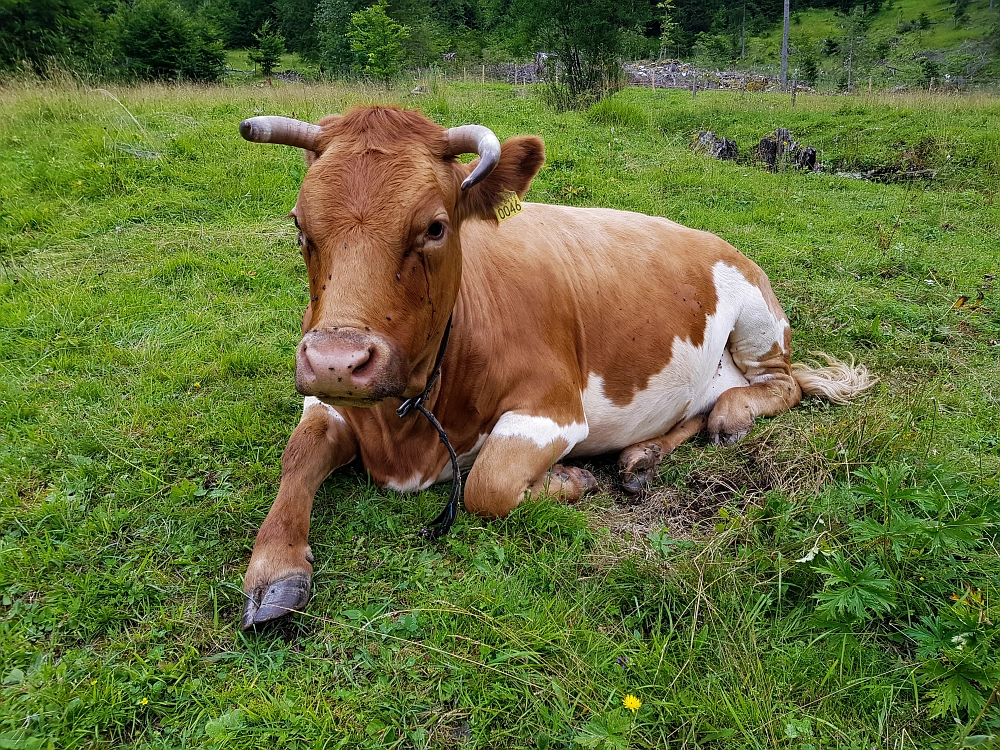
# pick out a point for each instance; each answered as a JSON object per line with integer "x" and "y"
{"x": 712, "y": 145}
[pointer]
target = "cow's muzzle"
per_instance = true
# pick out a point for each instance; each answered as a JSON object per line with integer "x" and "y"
{"x": 347, "y": 367}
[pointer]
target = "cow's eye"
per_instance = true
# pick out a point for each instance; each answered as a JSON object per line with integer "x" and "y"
{"x": 435, "y": 231}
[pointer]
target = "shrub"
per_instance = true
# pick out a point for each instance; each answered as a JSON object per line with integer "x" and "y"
{"x": 270, "y": 47}
{"x": 377, "y": 41}
{"x": 809, "y": 70}
{"x": 160, "y": 40}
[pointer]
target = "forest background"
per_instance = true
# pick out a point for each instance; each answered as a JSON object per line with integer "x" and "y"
{"x": 834, "y": 43}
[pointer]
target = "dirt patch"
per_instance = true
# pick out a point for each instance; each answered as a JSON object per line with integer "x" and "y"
{"x": 699, "y": 481}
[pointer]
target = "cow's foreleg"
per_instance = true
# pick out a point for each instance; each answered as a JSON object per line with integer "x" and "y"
{"x": 280, "y": 570}
{"x": 638, "y": 462}
{"x": 519, "y": 459}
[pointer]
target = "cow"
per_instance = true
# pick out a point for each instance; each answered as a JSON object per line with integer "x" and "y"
{"x": 556, "y": 334}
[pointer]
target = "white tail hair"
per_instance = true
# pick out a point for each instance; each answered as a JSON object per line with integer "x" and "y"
{"x": 839, "y": 382}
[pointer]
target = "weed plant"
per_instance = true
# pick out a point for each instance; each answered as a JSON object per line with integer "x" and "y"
{"x": 830, "y": 582}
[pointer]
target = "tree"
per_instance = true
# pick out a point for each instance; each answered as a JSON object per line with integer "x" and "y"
{"x": 294, "y": 19}
{"x": 270, "y": 48}
{"x": 784, "y": 47}
{"x": 809, "y": 70}
{"x": 377, "y": 41}
{"x": 35, "y": 31}
{"x": 160, "y": 40}
{"x": 668, "y": 28}
{"x": 331, "y": 25}
{"x": 587, "y": 36}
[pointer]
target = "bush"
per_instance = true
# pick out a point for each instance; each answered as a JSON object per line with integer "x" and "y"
{"x": 270, "y": 47}
{"x": 160, "y": 40}
{"x": 377, "y": 41}
{"x": 809, "y": 70}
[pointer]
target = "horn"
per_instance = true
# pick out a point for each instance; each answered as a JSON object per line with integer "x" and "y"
{"x": 284, "y": 130}
{"x": 475, "y": 139}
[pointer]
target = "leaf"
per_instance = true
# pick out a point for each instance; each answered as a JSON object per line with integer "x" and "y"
{"x": 14, "y": 677}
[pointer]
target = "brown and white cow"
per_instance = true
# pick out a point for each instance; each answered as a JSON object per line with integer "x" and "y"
{"x": 575, "y": 331}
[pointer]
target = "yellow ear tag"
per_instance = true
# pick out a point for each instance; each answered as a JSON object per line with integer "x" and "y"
{"x": 510, "y": 205}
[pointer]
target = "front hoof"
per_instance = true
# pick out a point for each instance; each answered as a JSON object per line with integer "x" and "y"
{"x": 279, "y": 599}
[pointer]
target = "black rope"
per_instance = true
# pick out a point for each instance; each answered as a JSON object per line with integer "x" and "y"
{"x": 441, "y": 525}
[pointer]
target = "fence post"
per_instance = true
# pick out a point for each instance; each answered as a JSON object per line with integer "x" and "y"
{"x": 795, "y": 85}
{"x": 694, "y": 85}
{"x": 484, "y": 74}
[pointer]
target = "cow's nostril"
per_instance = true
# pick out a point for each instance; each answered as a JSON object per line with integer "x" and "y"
{"x": 364, "y": 361}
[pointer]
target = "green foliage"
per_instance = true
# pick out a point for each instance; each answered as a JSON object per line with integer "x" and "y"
{"x": 332, "y": 26}
{"x": 160, "y": 40}
{"x": 930, "y": 70}
{"x": 270, "y": 48}
{"x": 588, "y": 38}
{"x": 809, "y": 68}
{"x": 43, "y": 31}
{"x": 377, "y": 42}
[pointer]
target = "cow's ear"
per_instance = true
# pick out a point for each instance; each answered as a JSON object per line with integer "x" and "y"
{"x": 520, "y": 159}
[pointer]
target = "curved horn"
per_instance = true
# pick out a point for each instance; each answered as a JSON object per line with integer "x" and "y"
{"x": 284, "y": 130}
{"x": 475, "y": 139}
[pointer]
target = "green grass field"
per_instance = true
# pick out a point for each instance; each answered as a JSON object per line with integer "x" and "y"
{"x": 830, "y": 582}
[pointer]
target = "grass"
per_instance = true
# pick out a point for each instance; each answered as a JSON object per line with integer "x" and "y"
{"x": 831, "y": 582}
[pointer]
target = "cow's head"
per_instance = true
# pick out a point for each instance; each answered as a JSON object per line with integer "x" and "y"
{"x": 379, "y": 214}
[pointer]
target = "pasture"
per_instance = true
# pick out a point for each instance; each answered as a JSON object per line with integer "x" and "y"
{"x": 831, "y": 582}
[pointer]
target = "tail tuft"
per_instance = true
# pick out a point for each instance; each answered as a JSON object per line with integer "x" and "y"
{"x": 839, "y": 382}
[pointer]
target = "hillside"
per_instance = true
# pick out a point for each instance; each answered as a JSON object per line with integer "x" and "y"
{"x": 891, "y": 48}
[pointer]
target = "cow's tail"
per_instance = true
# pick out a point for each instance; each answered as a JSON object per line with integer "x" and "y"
{"x": 839, "y": 382}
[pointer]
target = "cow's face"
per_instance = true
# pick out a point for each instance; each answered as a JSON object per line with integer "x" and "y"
{"x": 378, "y": 216}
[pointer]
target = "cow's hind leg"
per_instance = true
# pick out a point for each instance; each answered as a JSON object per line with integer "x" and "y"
{"x": 518, "y": 460}
{"x": 637, "y": 464}
{"x": 278, "y": 577}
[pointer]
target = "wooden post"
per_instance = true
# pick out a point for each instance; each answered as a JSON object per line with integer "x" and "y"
{"x": 465, "y": 74}
{"x": 795, "y": 85}
{"x": 652, "y": 79}
{"x": 869, "y": 84}
{"x": 694, "y": 85}
{"x": 484, "y": 74}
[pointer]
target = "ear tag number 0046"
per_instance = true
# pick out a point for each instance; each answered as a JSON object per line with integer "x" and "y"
{"x": 510, "y": 205}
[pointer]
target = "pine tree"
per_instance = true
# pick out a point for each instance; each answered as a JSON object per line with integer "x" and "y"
{"x": 270, "y": 48}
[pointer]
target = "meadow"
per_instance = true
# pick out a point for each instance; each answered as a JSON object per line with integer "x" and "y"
{"x": 831, "y": 582}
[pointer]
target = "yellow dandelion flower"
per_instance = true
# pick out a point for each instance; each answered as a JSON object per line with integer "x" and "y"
{"x": 144, "y": 701}
{"x": 632, "y": 703}
{"x": 197, "y": 385}
{"x": 93, "y": 682}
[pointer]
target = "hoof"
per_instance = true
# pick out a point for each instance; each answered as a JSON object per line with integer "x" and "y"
{"x": 729, "y": 438}
{"x": 634, "y": 483}
{"x": 278, "y": 600}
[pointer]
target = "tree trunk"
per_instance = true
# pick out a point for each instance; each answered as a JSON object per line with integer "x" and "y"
{"x": 784, "y": 48}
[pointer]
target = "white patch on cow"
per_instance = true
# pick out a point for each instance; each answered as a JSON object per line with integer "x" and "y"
{"x": 413, "y": 484}
{"x": 694, "y": 378}
{"x": 310, "y": 402}
{"x": 542, "y": 431}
